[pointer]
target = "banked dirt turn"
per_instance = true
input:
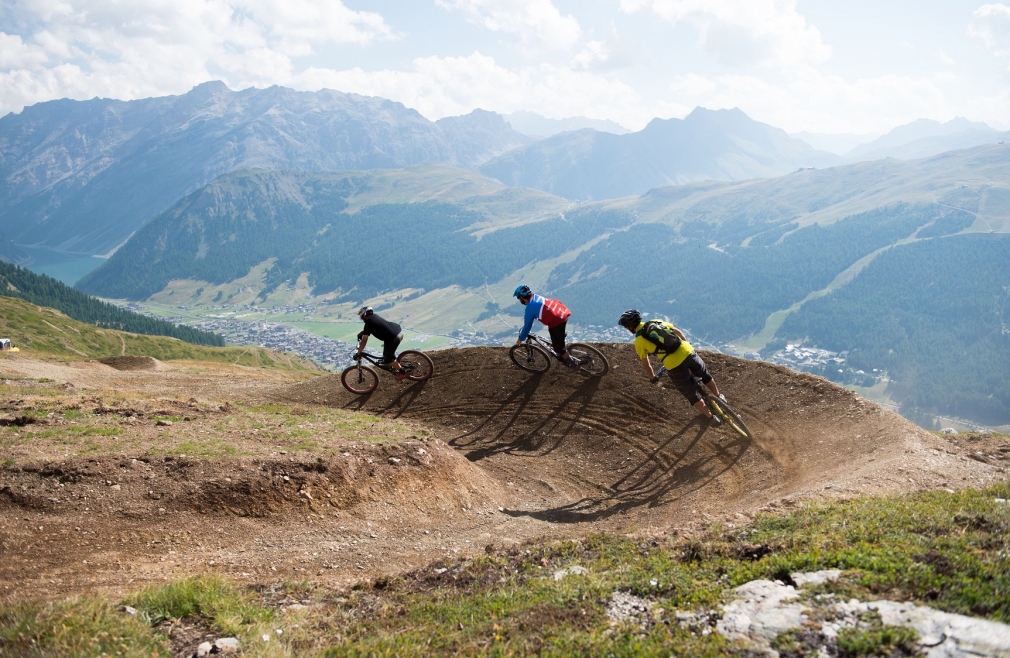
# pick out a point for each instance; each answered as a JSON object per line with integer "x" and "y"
{"x": 619, "y": 452}
{"x": 485, "y": 454}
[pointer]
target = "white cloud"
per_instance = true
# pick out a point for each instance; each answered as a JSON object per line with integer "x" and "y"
{"x": 538, "y": 23}
{"x": 142, "y": 48}
{"x": 594, "y": 54}
{"x": 15, "y": 53}
{"x": 992, "y": 25}
{"x": 445, "y": 86}
{"x": 744, "y": 32}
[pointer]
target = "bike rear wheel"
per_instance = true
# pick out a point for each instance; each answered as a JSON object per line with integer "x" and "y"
{"x": 591, "y": 360}
{"x": 530, "y": 357}
{"x": 729, "y": 415}
{"x": 417, "y": 364}
{"x": 359, "y": 379}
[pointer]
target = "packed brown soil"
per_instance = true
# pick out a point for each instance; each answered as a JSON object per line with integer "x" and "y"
{"x": 482, "y": 453}
{"x": 131, "y": 362}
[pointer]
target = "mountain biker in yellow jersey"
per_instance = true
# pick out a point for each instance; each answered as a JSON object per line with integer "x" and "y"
{"x": 682, "y": 363}
{"x": 552, "y": 313}
{"x": 388, "y": 332}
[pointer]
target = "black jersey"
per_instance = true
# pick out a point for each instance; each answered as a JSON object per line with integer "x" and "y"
{"x": 382, "y": 329}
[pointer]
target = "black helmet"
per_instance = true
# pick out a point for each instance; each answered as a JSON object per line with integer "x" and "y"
{"x": 365, "y": 312}
{"x": 630, "y": 319}
{"x": 522, "y": 291}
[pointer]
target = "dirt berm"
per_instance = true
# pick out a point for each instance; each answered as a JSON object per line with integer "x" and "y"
{"x": 568, "y": 449}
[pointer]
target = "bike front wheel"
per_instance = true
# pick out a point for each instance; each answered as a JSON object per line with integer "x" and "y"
{"x": 591, "y": 360}
{"x": 418, "y": 365}
{"x": 530, "y": 357}
{"x": 359, "y": 379}
{"x": 729, "y": 415}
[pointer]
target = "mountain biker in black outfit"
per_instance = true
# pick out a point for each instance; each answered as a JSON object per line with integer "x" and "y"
{"x": 388, "y": 332}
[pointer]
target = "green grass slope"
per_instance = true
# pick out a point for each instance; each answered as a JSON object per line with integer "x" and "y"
{"x": 46, "y": 291}
{"x": 938, "y": 549}
{"x": 42, "y": 331}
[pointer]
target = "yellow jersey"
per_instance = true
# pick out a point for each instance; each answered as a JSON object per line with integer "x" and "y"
{"x": 644, "y": 348}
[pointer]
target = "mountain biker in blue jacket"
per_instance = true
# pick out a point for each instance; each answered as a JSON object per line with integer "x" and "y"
{"x": 552, "y": 313}
{"x": 682, "y": 365}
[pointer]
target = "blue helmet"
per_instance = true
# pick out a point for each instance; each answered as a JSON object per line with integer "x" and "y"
{"x": 522, "y": 291}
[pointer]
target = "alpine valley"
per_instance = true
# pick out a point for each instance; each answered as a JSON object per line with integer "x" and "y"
{"x": 892, "y": 276}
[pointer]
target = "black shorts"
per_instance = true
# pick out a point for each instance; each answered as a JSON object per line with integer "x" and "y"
{"x": 389, "y": 348}
{"x": 558, "y": 337}
{"x": 683, "y": 377}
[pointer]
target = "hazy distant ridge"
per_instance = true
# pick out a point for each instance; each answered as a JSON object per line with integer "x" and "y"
{"x": 706, "y": 145}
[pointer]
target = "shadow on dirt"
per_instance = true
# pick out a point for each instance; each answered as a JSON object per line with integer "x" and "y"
{"x": 542, "y": 438}
{"x": 653, "y": 482}
{"x": 395, "y": 407}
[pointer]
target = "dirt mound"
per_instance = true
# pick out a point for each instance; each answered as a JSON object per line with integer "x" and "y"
{"x": 494, "y": 456}
{"x": 131, "y": 362}
{"x": 409, "y": 473}
{"x": 571, "y": 449}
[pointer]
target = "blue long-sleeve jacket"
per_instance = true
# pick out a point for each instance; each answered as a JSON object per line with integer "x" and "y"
{"x": 549, "y": 311}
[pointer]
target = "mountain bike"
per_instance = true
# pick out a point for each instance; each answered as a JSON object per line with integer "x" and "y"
{"x": 361, "y": 379}
{"x": 535, "y": 356}
{"x": 717, "y": 405}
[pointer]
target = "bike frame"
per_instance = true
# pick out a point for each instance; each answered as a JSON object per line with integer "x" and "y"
{"x": 374, "y": 359}
{"x": 546, "y": 344}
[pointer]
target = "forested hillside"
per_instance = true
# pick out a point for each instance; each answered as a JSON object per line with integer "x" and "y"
{"x": 299, "y": 219}
{"x": 935, "y": 315}
{"x": 45, "y": 291}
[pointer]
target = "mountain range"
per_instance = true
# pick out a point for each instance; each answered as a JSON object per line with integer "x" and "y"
{"x": 531, "y": 123}
{"x": 924, "y": 138}
{"x": 706, "y": 145}
{"x": 82, "y": 176}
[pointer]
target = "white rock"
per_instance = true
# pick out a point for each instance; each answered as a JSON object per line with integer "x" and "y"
{"x": 573, "y": 570}
{"x": 764, "y": 609}
{"x": 761, "y": 612}
{"x": 946, "y": 635}
{"x": 815, "y": 577}
{"x": 204, "y": 649}
{"x": 128, "y": 610}
{"x": 226, "y": 645}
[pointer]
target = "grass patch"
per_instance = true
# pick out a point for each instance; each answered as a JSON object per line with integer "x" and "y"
{"x": 83, "y": 627}
{"x": 879, "y": 640}
{"x": 947, "y": 551}
{"x": 225, "y": 607}
{"x": 171, "y": 419}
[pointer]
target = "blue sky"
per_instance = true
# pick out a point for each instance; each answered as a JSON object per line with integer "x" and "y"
{"x": 803, "y": 65}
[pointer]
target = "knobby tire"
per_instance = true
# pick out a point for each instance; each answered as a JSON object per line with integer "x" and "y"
{"x": 728, "y": 414}
{"x": 530, "y": 358}
{"x": 593, "y": 363}
{"x": 419, "y": 366}
{"x": 359, "y": 379}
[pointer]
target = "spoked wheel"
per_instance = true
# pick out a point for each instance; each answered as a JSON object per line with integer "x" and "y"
{"x": 728, "y": 414}
{"x": 359, "y": 379}
{"x": 591, "y": 360}
{"x": 530, "y": 357}
{"x": 417, "y": 364}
